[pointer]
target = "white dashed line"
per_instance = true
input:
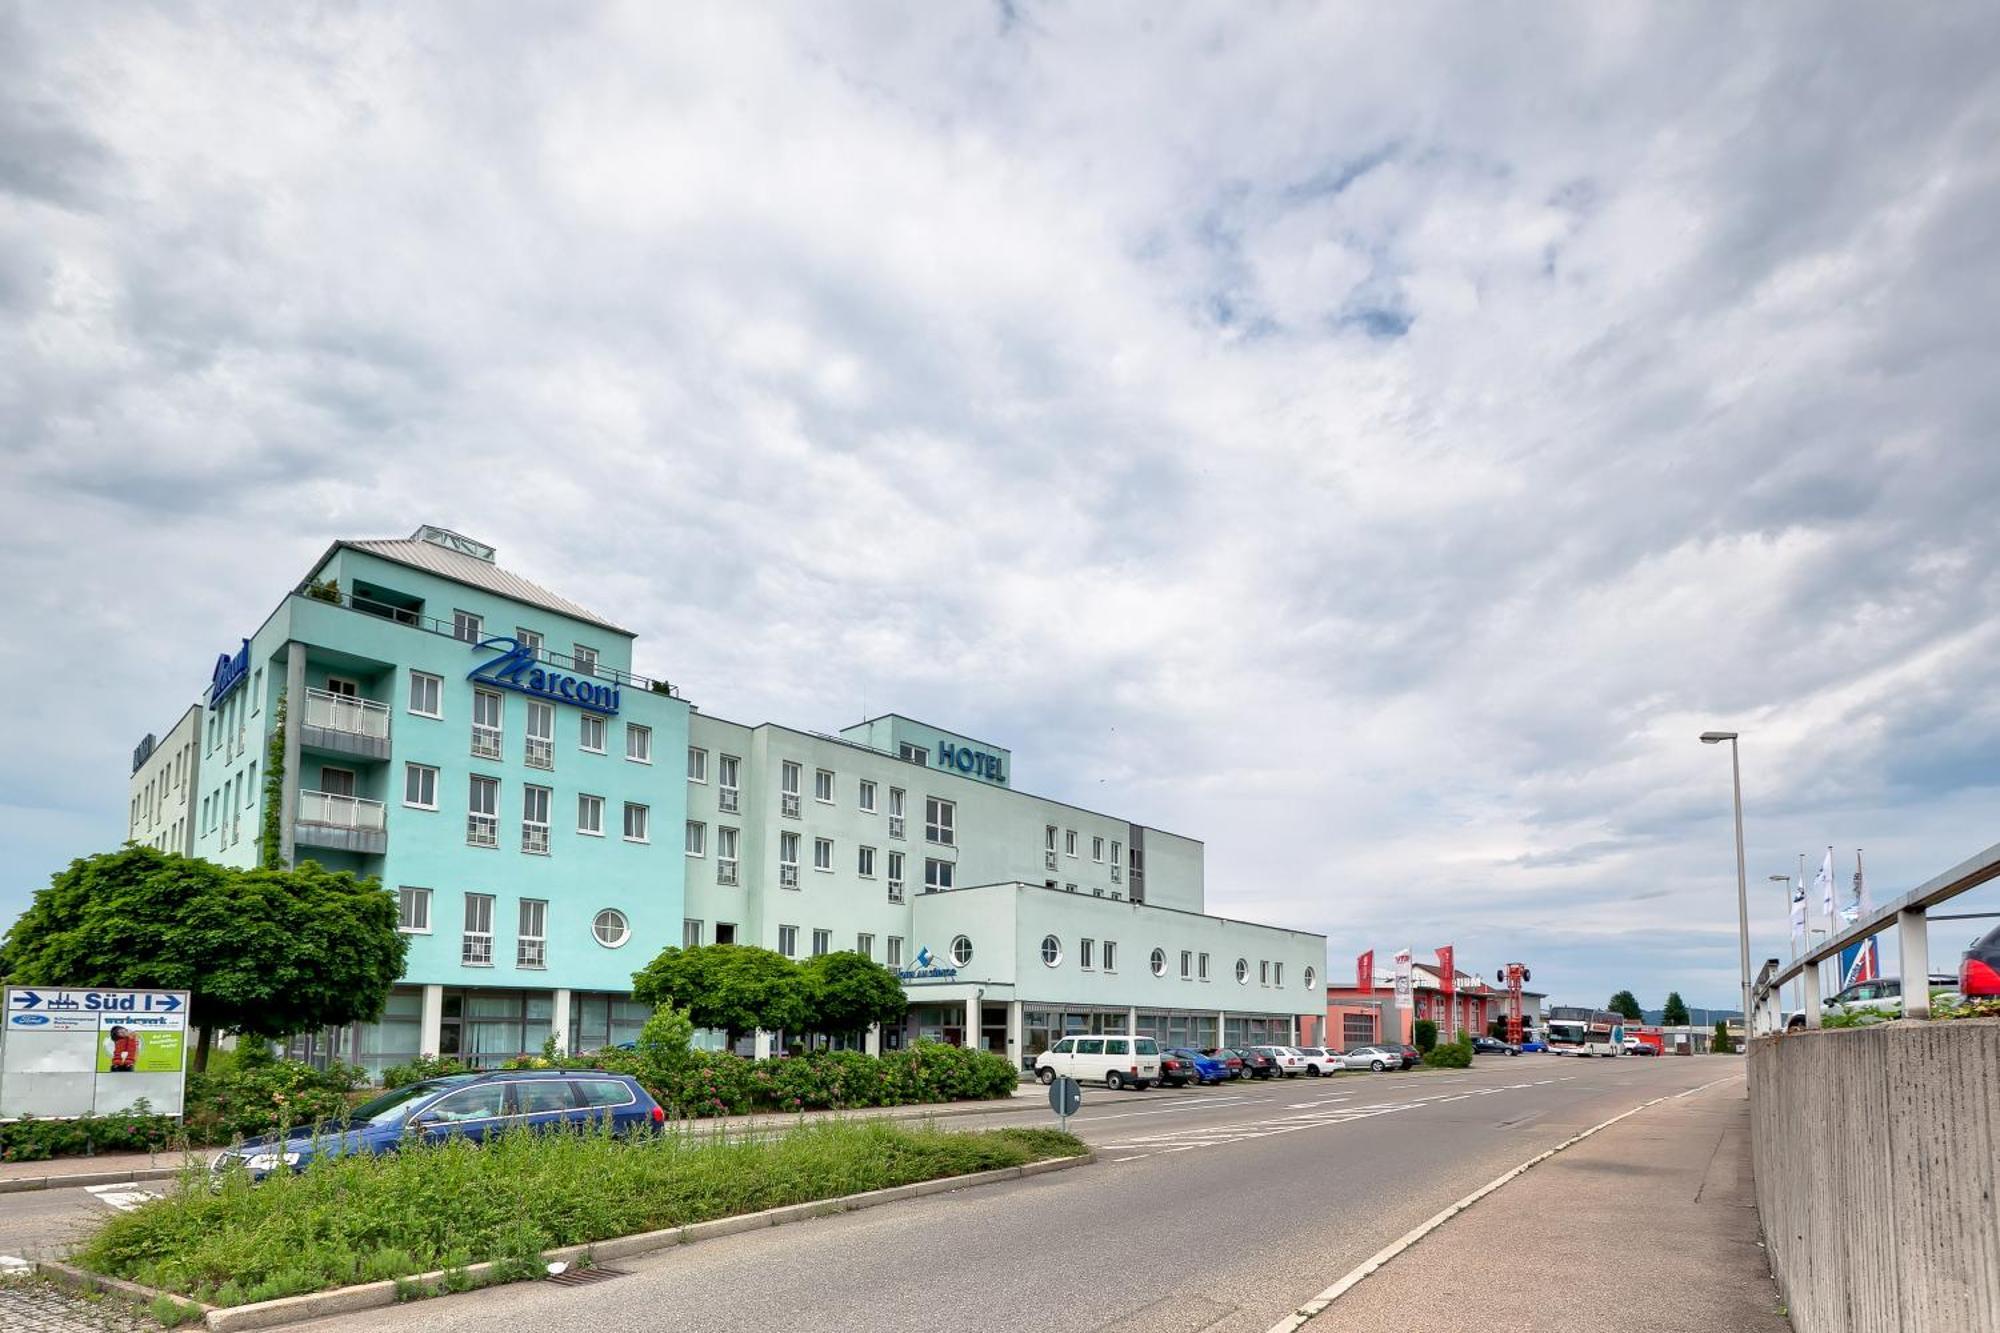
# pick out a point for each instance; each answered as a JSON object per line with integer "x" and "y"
{"x": 125, "y": 1195}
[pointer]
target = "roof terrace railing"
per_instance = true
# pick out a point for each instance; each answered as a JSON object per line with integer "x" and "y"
{"x": 1909, "y": 914}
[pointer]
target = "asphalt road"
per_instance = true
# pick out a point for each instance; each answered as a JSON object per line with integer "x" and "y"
{"x": 1208, "y": 1209}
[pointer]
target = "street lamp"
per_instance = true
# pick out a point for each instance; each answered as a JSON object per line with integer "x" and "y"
{"x": 1742, "y": 885}
{"x": 1786, "y": 880}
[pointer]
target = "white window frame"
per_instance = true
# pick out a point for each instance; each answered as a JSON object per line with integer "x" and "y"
{"x": 1069, "y": 842}
{"x": 823, "y": 855}
{"x": 788, "y": 860}
{"x": 1097, "y": 849}
{"x": 1109, "y": 956}
{"x": 593, "y": 827}
{"x": 1086, "y": 954}
{"x": 496, "y": 738}
{"x": 939, "y": 874}
{"x": 532, "y": 912}
{"x": 1201, "y": 966}
{"x": 538, "y": 746}
{"x": 1187, "y": 964}
{"x": 864, "y": 795}
{"x": 583, "y": 659}
{"x": 585, "y": 723}
{"x": 638, "y": 737}
{"x": 433, "y": 686}
{"x": 466, "y": 951}
{"x": 411, "y": 771}
{"x": 624, "y": 927}
{"x": 823, "y": 786}
{"x": 530, "y": 640}
{"x": 892, "y": 955}
{"x": 788, "y": 941}
{"x": 864, "y": 862}
{"x": 697, "y": 765}
{"x": 535, "y": 798}
{"x": 409, "y": 896}
{"x": 726, "y": 843}
{"x": 697, "y": 839}
{"x": 822, "y": 944}
{"x": 476, "y": 783}
{"x": 690, "y": 932}
{"x": 728, "y": 773}
{"x": 940, "y": 821}
{"x": 645, "y": 821}
{"x": 864, "y": 944}
{"x": 460, "y": 620}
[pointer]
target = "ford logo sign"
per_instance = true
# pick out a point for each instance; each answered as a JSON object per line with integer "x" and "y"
{"x": 31, "y": 1020}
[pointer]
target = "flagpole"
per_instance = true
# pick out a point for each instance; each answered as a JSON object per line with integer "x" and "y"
{"x": 1799, "y": 983}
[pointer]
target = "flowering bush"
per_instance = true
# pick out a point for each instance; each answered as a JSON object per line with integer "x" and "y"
{"x": 423, "y": 1067}
{"x": 709, "y": 1083}
{"x": 258, "y": 1098}
{"x": 32, "y": 1140}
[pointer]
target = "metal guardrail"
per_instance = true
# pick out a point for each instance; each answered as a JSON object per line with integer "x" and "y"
{"x": 1909, "y": 914}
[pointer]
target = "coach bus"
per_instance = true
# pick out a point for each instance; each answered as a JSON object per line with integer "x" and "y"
{"x": 1577, "y": 1031}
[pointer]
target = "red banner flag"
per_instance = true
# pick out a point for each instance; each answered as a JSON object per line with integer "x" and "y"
{"x": 1364, "y": 972}
{"x": 1447, "y": 974}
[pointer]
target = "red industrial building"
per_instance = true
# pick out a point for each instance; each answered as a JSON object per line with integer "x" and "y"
{"x": 1357, "y": 1015}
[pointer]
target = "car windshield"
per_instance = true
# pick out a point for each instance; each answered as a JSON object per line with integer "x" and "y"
{"x": 392, "y": 1105}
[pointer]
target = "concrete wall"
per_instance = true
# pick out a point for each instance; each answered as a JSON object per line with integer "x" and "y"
{"x": 1877, "y": 1153}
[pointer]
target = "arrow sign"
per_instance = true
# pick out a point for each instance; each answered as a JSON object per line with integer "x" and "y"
{"x": 27, "y": 999}
{"x": 166, "y": 1002}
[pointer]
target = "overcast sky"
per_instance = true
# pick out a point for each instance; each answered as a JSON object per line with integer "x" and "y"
{"x": 1375, "y": 440}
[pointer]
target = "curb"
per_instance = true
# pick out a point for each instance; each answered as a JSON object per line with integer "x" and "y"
{"x": 376, "y": 1295}
{"x": 929, "y": 1111}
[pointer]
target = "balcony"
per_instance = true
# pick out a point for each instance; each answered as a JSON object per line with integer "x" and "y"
{"x": 345, "y": 725}
{"x": 341, "y": 823}
{"x": 725, "y": 800}
{"x": 725, "y": 873}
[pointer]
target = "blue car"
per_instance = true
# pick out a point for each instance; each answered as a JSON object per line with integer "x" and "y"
{"x": 468, "y": 1106}
{"x": 1208, "y": 1069}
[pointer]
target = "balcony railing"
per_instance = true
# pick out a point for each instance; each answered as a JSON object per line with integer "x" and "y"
{"x": 1116, "y": 873}
{"x": 895, "y": 890}
{"x": 482, "y": 830}
{"x": 725, "y": 800}
{"x": 535, "y": 839}
{"x": 1048, "y": 860}
{"x": 532, "y": 953}
{"x": 345, "y": 725}
{"x": 788, "y": 804}
{"x": 477, "y": 951}
{"x": 788, "y": 877}
{"x": 725, "y": 872}
{"x": 485, "y": 742}
{"x": 541, "y": 753}
{"x": 345, "y": 823}
{"x": 895, "y": 826}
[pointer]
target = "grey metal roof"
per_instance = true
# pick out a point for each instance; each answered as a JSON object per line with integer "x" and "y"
{"x": 476, "y": 573}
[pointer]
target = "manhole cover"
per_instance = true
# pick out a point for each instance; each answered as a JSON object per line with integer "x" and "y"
{"x": 581, "y": 1277}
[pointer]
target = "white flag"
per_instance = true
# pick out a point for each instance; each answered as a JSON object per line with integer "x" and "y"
{"x": 1861, "y": 903}
{"x": 1825, "y": 882}
{"x": 1798, "y": 914}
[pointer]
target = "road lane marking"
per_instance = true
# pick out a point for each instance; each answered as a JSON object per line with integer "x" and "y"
{"x": 10, "y": 1265}
{"x": 1318, "y": 1305}
{"x": 125, "y": 1195}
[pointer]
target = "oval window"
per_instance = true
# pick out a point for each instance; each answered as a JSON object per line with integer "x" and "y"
{"x": 1051, "y": 950}
{"x": 611, "y": 928}
{"x": 1311, "y": 976}
{"x": 961, "y": 951}
{"x": 1242, "y": 970}
{"x": 1159, "y": 962}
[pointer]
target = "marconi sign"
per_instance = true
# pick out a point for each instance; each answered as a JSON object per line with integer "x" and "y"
{"x": 517, "y": 669}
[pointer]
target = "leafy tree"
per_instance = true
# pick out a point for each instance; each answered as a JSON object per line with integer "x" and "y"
{"x": 1675, "y": 1014}
{"x": 845, "y": 992}
{"x": 1723, "y": 1044}
{"x": 736, "y": 988}
{"x": 266, "y": 953}
{"x": 1626, "y": 1003}
{"x": 1424, "y": 1035}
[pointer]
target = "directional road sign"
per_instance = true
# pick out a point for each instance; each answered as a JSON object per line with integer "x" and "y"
{"x": 1065, "y": 1095}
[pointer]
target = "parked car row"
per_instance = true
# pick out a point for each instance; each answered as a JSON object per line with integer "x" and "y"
{"x": 1124, "y": 1061}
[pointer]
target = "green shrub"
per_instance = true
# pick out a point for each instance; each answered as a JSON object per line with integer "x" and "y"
{"x": 32, "y": 1140}
{"x": 447, "y": 1206}
{"x": 1425, "y": 1034}
{"x": 1450, "y": 1055}
{"x": 258, "y": 1096}
{"x": 423, "y": 1067}
{"x": 1723, "y": 1044}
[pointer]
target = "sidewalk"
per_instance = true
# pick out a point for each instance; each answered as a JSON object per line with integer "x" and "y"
{"x": 108, "y": 1168}
{"x": 1649, "y": 1226}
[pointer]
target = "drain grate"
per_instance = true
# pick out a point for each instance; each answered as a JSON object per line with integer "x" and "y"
{"x": 583, "y": 1277}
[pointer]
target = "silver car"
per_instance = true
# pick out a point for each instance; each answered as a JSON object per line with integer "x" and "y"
{"x": 1377, "y": 1058}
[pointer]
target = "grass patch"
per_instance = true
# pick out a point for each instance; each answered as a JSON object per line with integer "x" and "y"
{"x": 446, "y": 1206}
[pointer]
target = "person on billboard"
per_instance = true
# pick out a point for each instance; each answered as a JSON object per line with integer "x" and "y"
{"x": 124, "y": 1049}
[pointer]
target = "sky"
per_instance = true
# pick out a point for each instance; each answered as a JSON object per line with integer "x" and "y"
{"x": 1375, "y": 441}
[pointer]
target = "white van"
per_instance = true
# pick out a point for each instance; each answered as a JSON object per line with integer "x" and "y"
{"x": 1116, "y": 1062}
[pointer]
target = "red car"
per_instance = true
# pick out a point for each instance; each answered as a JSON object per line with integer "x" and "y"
{"x": 1979, "y": 972}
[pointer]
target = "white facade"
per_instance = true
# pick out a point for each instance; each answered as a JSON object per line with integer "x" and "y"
{"x": 165, "y": 776}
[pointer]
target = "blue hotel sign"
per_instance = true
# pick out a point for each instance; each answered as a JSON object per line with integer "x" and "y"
{"x": 927, "y": 968}
{"x": 517, "y": 669}
{"x": 230, "y": 669}
{"x": 977, "y": 763}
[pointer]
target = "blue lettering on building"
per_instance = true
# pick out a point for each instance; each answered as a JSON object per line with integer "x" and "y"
{"x": 230, "y": 669}
{"x": 965, "y": 759}
{"x": 516, "y": 669}
{"x": 926, "y": 969}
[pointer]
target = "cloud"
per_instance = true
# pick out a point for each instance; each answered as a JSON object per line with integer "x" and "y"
{"x": 1375, "y": 443}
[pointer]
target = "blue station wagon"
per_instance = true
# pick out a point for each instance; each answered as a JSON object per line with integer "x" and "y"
{"x": 468, "y": 1106}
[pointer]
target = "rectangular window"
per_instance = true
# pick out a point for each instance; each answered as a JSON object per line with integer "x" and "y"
{"x": 257, "y": 691}
{"x": 697, "y": 765}
{"x": 788, "y": 789}
{"x": 541, "y": 747}
{"x": 1097, "y": 850}
{"x": 864, "y": 944}
{"x": 420, "y": 786}
{"x": 894, "y": 957}
{"x": 697, "y": 839}
{"x": 476, "y": 950}
{"x": 690, "y": 933}
{"x": 895, "y": 812}
{"x": 585, "y": 660}
{"x": 531, "y": 948}
{"x": 1049, "y": 839}
{"x": 823, "y": 786}
{"x": 726, "y": 769}
{"x": 1187, "y": 964}
{"x": 865, "y": 797}
{"x": 822, "y": 942}
{"x": 725, "y": 854}
{"x": 413, "y": 910}
{"x": 1277, "y": 974}
{"x": 530, "y": 640}
{"x": 590, "y": 815}
{"x": 916, "y": 754}
{"x": 1086, "y": 953}
{"x": 637, "y": 827}
{"x": 482, "y": 817}
{"x": 788, "y": 860}
{"x": 1201, "y": 966}
{"x": 938, "y": 821}
{"x": 937, "y": 874}
{"x": 467, "y": 626}
{"x": 1111, "y": 955}
{"x": 822, "y": 853}
{"x": 590, "y": 733}
{"x": 1069, "y": 842}
{"x": 535, "y": 820}
{"x": 1263, "y": 972}
{"x": 426, "y": 694}
{"x": 864, "y": 862}
{"x": 788, "y": 941}
{"x": 486, "y": 716}
{"x": 638, "y": 743}
{"x": 895, "y": 877}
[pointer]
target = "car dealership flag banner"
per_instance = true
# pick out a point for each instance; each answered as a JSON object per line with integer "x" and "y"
{"x": 1403, "y": 978}
{"x": 1824, "y": 881}
{"x": 1364, "y": 972}
{"x": 1798, "y": 914}
{"x": 1859, "y": 962}
{"x": 1448, "y": 982}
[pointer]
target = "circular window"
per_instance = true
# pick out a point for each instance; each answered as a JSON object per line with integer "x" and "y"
{"x": 611, "y": 928}
{"x": 1311, "y": 976}
{"x": 1242, "y": 970}
{"x": 1159, "y": 962}
{"x": 961, "y": 951}
{"x": 1051, "y": 950}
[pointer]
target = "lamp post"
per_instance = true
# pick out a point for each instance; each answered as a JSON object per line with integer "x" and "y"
{"x": 1742, "y": 884}
{"x": 1786, "y": 880}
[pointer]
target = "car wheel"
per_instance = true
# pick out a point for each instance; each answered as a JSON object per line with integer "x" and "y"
{"x": 1114, "y": 1080}
{"x": 1046, "y": 1075}
{"x": 1141, "y": 1084}
{"x": 1376, "y": 1065}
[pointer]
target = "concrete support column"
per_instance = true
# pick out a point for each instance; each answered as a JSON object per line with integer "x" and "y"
{"x": 872, "y": 1043}
{"x": 1016, "y": 1033}
{"x": 761, "y": 1044}
{"x": 1811, "y": 978}
{"x": 972, "y": 1017}
{"x": 1913, "y": 938}
{"x": 559, "y": 1021}
{"x": 1222, "y": 1027}
{"x": 295, "y": 716}
{"x": 432, "y": 1034}
{"x": 1132, "y": 1020}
